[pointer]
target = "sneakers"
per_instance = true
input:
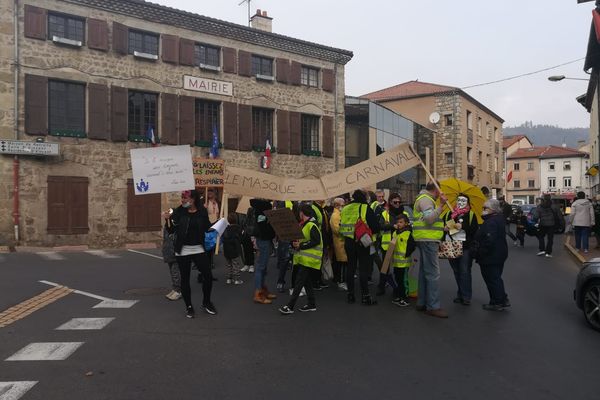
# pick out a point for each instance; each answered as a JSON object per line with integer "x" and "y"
{"x": 285, "y": 310}
{"x": 245, "y": 268}
{"x": 439, "y": 313}
{"x": 548, "y": 255}
{"x": 251, "y": 268}
{"x": 493, "y": 307}
{"x": 324, "y": 285}
{"x": 540, "y": 253}
{"x": 229, "y": 281}
{"x": 506, "y": 303}
{"x": 238, "y": 282}
{"x": 190, "y": 312}
{"x": 210, "y": 308}
{"x": 173, "y": 295}
{"x": 400, "y": 302}
{"x": 307, "y": 308}
{"x": 342, "y": 286}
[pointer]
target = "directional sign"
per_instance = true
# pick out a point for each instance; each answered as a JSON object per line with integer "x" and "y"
{"x": 29, "y": 148}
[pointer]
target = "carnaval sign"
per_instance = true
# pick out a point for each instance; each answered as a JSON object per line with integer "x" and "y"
{"x": 209, "y": 172}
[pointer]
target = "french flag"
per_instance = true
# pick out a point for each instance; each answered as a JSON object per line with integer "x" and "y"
{"x": 150, "y": 135}
{"x": 266, "y": 160}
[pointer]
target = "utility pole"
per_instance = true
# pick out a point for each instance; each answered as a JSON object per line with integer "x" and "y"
{"x": 248, "y": 2}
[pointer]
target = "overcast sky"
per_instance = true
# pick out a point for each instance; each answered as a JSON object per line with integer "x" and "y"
{"x": 449, "y": 42}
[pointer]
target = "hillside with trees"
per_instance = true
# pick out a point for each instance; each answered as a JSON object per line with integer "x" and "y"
{"x": 543, "y": 135}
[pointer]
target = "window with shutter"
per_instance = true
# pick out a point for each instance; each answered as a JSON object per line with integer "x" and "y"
{"x": 98, "y": 111}
{"x": 283, "y": 132}
{"x": 328, "y": 80}
{"x": 262, "y": 67}
{"x": 63, "y": 26}
{"x": 66, "y": 109}
{"x": 97, "y": 34}
{"x": 245, "y": 64}
{"x": 229, "y": 60}
{"x": 170, "y": 49}
{"x": 262, "y": 126}
{"x": 310, "y": 134}
{"x": 35, "y": 22}
{"x": 295, "y": 72}
{"x": 328, "y": 136}
{"x": 36, "y": 105}
{"x": 142, "y": 116}
{"x": 186, "y": 120}
{"x": 186, "y": 52}
{"x": 120, "y": 38}
{"x": 207, "y": 57}
{"x": 295, "y": 133}
{"x": 207, "y": 115}
{"x": 143, "y": 211}
{"x": 67, "y": 201}
{"x": 169, "y": 119}
{"x": 118, "y": 118}
{"x": 230, "y": 125}
{"x": 309, "y": 76}
{"x": 245, "y": 133}
{"x": 144, "y": 44}
{"x": 283, "y": 70}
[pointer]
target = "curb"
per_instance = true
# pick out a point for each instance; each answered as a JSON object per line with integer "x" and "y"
{"x": 574, "y": 251}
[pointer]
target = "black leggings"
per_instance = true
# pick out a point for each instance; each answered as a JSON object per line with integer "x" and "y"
{"x": 202, "y": 262}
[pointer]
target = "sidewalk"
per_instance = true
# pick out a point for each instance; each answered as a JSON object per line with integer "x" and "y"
{"x": 580, "y": 256}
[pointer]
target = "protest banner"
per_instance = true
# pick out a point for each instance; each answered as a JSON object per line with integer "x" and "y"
{"x": 162, "y": 169}
{"x": 209, "y": 172}
{"x": 284, "y": 224}
{"x": 244, "y": 182}
{"x": 390, "y": 163}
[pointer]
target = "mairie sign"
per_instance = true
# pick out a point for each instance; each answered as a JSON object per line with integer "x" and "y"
{"x": 207, "y": 85}
{"x": 29, "y": 148}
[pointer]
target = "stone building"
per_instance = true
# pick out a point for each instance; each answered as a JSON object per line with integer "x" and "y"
{"x": 468, "y": 138}
{"x": 99, "y": 77}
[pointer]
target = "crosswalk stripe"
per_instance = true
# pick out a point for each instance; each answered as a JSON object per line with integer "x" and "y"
{"x": 116, "y": 304}
{"x": 14, "y": 390}
{"x": 45, "y": 351}
{"x": 51, "y": 255}
{"x": 85, "y": 324}
{"x": 102, "y": 254}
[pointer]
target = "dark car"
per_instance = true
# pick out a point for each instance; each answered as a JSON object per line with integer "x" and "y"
{"x": 587, "y": 292}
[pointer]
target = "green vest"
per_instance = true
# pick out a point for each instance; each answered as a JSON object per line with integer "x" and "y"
{"x": 349, "y": 216}
{"x": 374, "y": 205}
{"x": 400, "y": 259}
{"x": 318, "y": 215}
{"x": 289, "y": 204}
{"x": 386, "y": 236}
{"x": 312, "y": 257}
{"x": 421, "y": 230}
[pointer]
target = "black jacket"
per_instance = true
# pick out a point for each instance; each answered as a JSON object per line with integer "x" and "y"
{"x": 180, "y": 222}
{"x": 265, "y": 230}
{"x": 489, "y": 244}
{"x": 315, "y": 237}
{"x": 232, "y": 241}
{"x": 469, "y": 225}
{"x": 389, "y": 226}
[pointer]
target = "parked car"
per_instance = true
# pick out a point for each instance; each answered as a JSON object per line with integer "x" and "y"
{"x": 587, "y": 292}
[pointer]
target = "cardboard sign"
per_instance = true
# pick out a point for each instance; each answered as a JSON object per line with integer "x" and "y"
{"x": 244, "y": 182}
{"x": 209, "y": 172}
{"x": 369, "y": 172}
{"x": 243, "y": 205}
{"x": 162, "y": 169}
{"x": 285, "y": 224}
{"x": 389, "y": 254}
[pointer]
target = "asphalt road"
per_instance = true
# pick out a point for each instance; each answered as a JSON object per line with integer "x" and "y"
{"x": 539, "y": 349}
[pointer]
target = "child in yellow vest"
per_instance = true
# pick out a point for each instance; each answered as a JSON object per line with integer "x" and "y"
{"x": 401, "y": 260}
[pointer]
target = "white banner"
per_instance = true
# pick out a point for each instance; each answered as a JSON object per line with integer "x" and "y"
{"x": 162, "y": 169}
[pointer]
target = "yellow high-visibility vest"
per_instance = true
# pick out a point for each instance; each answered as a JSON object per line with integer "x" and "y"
{"x": 421, "y": 230}
{"x": 312, "y": 257}
{"x": 400, "y": 259}
{"x": 349, "y": 216}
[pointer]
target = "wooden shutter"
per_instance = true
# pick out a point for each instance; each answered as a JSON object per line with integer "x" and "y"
{"x": 186, "y": 52}
{"x": 120, "y": 38}
{"x": 328, "y": 80}
{"x": 245, "y": 63}
{"x": 295, "y": 133}
{"x": 97, "y": 34}
{"x": 57, "y": 204}
{"x": 170, "y": 48}
{"x": 169, "y": 118}
{"x": 230, "y": 128}
{"x": 187, "y": 120}
{"x": 35, "y": 22}
{"x": 98, "y": 111}
{"x": 283, "y": 70}
{"x": 295, "y": 72}
{"x": 245, "y": 128}
{"x": 328, "y": 136}
{"x": 78, "y": 204}
{"x": 36, "y": 105}
{"x": 283, "y": 132}
{"x": 229, "y": 60}
{"x": 119, "y": 104}
{"x": 143, "y": 211}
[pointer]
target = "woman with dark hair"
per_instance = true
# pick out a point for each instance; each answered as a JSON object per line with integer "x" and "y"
{"x": 466, "y": 224}
{"x": 190, "y": 222}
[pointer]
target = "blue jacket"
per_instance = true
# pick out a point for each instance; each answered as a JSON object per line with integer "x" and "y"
{"x": 489, "y": 244}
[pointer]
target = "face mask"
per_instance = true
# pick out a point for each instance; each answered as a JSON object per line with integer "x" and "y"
{"x": 462, "y": 202}
{"x": 485, "y": 212}
{"x": 186, "y": 205}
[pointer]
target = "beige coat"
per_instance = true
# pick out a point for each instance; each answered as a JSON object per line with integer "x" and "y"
{"x": 338, "y": 240}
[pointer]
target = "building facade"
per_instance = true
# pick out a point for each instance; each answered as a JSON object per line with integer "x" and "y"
{"x": 468, "y": 138}
{"x": 102, "y": 77}
{"x": 523, "y": 169}
{"x": 563, "y": 172}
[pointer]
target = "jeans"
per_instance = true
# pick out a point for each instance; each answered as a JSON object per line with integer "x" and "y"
{"x": 508, "y": 232}
{"x": 462, "y": 273}
{"x": 492, "y": 275}
{"x": 260, "y": 271}
{"x": 283, "y": 260}
{"x": 429, "y": 276}
{"x": 203, "y": 264}
{"x": 546, "y": 231}
{"x": 357, "y": 254}
{"x": 303, "y": 280}
{"x": 582, "y": 237}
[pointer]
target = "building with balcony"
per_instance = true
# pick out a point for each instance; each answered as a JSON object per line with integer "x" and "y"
{"x": 102, "y": 77}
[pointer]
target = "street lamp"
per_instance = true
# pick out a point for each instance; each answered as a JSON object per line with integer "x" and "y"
{"x": 558, "y": 78}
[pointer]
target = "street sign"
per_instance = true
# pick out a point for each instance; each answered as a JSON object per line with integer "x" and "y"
{"x": 29, "y": 148}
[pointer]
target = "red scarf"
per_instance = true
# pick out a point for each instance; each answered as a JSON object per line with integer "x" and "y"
{"x": 460, "y": 211}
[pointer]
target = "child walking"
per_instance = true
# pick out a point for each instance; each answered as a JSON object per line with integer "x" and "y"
{"x": 232, "y": 249}
{"x": 401, "y": 261}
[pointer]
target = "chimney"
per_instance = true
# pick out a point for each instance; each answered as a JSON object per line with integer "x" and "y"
{"x": 262, "y": 21}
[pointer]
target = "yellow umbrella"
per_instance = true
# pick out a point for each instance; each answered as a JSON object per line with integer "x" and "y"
{"x": 452, "y": 187}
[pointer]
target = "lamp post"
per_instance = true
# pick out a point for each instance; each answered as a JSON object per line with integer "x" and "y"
{"x": 558, "y": 78}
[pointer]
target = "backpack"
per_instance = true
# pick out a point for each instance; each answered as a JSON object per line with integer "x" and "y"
{"x": 210, "y": 240}
{"x": 361, "y": 229}
{"x": 251, "y": 223}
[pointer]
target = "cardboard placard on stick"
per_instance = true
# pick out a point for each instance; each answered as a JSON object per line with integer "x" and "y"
{"x": 285, "y": 224}
{"x": 243, "y": 205}
{"x": 385, "y": 267}
{"x": 208, "y": 172}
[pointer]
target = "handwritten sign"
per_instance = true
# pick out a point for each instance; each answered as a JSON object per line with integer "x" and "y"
{"x": 162, "y": 169}
{"x": 284, "y": 224}
{"x": 244, "y": 182}
{"x": 209, "y": 172}
{"x": 390, "y": 163}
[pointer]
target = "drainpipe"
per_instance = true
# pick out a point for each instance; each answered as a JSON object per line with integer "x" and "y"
{"x": 335, "y": 121}
{"x": 16, "y": 121}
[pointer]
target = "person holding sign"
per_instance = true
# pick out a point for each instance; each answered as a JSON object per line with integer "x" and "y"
{"x": 190, "y": 222}
{"x": 264, "y": 242}
{"x": 307, "y": 258}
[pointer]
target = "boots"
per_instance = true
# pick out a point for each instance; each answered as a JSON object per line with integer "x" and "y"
{"x": 260, "y": 298}
{"x": 267, "y": 294}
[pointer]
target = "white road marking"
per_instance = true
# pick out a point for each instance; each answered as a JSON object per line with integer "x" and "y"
{"x": 101, "y": 254}
{"x": 146, "y": 254}
{"x": 51, "y": 255}
{"x": 85, "y": 324}
{"x": 45, "y": 351}
{"x": 105, "y": 303}
{"x": 14, "y": 390}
